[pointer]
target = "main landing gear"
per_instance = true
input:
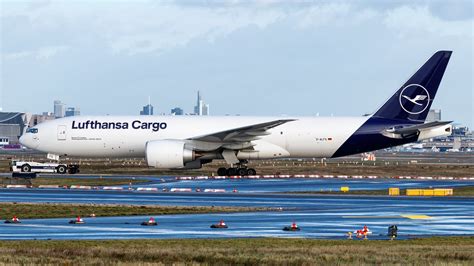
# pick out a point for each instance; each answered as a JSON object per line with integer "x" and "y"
{"x": 240, "y": 169}
{"x": 236, "y": 171}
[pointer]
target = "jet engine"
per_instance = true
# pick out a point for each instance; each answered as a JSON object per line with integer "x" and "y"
{"x": 168, "y": 154}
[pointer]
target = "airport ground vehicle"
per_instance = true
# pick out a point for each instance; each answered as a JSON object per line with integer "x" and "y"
{"x": 36, "y": 167}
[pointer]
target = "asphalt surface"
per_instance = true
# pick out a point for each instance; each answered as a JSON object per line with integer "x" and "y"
{"x": 319, "y": 216}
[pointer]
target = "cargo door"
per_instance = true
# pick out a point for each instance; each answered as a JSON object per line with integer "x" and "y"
{"x": 61, "y": 132}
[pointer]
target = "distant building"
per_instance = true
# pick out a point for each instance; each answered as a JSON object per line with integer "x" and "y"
{"x": 37, "y": 119}
{"x": 201, "y": 108}
{"x": 198, "y": 106}
{"x": 72, "y": 111}
{"x": 59, "y": 109}
{"x": 177, "y": 111}
{"x": 434, "y": 115}
{"x": 147, "y": 110}
{"x": 12, "y": 125}
{"x": 460, "y": 131}
{"x": 205, "y": 109}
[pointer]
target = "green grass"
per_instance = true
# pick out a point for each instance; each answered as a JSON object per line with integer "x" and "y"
{"x": 46, "y": 210}
{"x": 432, "y": 251}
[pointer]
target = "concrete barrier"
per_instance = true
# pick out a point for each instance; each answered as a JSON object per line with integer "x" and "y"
{"x": 181, "y": 190}
{"x": 16, "y": 186}
{"x": 152, "y": 189}
{"x": 80, "y": 187}
{"x": 48, "y": 186}
{"x": 112, "y": 188}
{"x": 213, "y": 190}
{"x": 184, "y": 178}
{"x": 253, "y": 177}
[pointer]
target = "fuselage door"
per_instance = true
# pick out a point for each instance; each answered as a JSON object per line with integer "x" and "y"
{"x": 61, "y": 132}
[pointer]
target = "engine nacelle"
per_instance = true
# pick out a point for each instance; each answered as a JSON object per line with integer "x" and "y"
{"x": 168, "y": 154}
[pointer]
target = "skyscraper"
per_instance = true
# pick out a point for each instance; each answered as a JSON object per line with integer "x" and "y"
{"x": 72, "y": 111}
{"x": 59, "y": 109}
{"x": 147, "y": 109}
{"x": 201, "y": 108}
{"x": 177, "y": 111}
{"x": 198, "y": 107}
{"x": 205, "y": 109}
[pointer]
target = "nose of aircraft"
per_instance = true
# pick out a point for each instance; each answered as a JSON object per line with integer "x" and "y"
{"x": 22, "y": 140}
{"x": 27, "y": 141}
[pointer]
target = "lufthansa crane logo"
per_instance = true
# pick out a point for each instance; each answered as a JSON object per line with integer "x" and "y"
{"x": 414, "y": 99}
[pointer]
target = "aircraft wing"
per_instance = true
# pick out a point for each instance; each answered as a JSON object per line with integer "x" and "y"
{"x": 241, "y": 134}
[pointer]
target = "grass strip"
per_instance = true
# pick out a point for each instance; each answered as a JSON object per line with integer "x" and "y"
{"x": 433, "y": 251}
{"x": 50, "y": 210}
{"x": 69, "y": 181}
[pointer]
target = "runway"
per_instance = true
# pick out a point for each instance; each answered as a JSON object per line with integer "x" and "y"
{"x": 319, "y": 216}
{"x": 306, "y": 184}
{"x": 323, "y": 221}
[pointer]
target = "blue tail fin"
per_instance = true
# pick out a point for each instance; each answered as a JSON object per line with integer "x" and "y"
{"x": 413, "y": 100}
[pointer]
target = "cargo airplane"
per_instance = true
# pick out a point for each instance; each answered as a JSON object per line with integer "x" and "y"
{"x": 188, "y": 142}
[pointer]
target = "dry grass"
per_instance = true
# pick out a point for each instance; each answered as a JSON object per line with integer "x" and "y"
{"x": 69, "y": 181}
{"x": 343, "y": 166}
{"x": 433, "y": 251}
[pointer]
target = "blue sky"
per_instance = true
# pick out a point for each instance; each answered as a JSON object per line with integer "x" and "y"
{"x": 264, "y": 57}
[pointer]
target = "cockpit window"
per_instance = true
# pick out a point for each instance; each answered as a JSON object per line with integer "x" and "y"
{"x": 32, "y": 130}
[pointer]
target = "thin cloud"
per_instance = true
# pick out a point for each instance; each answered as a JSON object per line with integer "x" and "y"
{"x": 42, "y": 53}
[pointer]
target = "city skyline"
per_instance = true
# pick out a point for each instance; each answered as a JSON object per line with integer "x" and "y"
{"x": 261, "y": 58}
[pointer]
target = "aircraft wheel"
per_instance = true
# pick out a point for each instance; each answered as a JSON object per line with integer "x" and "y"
{"x": 242, "y": 171}
{"x": 26, "y": 168}
{"x": 62, "y": 169}
{"x": 231, "y": 171}
{"x": 251, "y": 171}
{"x": 222, "y": 171}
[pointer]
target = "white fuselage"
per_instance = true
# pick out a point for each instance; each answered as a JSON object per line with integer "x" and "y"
{"x": 306, "y": 137}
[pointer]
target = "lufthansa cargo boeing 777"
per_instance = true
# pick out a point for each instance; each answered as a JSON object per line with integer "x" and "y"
{"x": 188, "y": 142}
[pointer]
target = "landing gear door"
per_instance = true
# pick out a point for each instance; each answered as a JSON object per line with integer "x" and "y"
{"x": 61, "y": 132}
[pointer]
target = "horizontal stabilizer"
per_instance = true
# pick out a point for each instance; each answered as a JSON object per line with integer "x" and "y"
{"x": 410, "y": 131}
